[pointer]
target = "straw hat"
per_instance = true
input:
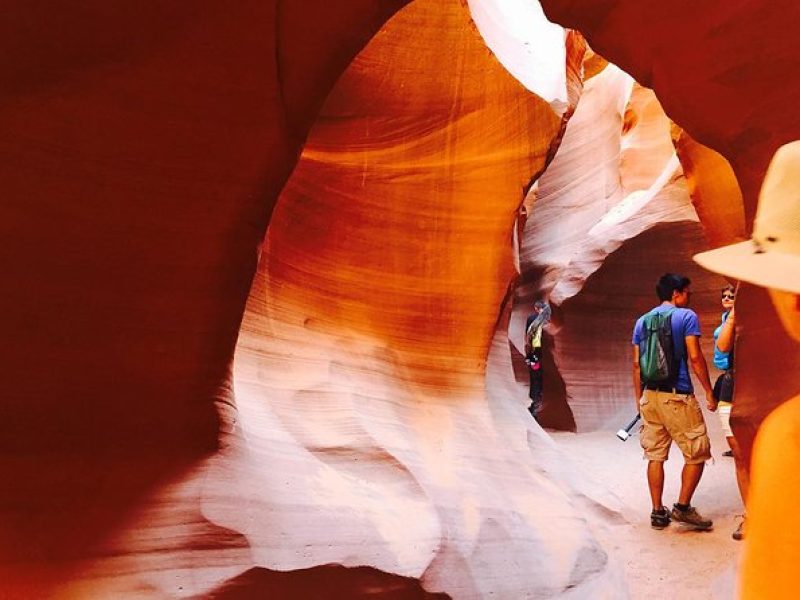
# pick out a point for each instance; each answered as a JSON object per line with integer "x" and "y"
{"x": 772, "y": 257}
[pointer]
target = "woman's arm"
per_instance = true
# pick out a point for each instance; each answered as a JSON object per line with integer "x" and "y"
{"x": 725, "y": 339}
{"x": 637, "y": 377}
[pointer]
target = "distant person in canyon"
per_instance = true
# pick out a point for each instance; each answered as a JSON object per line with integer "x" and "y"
{"x": 771, "y": 259}
{"x": 534, "y": 326}
{"x": 666, "y": 341}
{"x": 724, "y": 338}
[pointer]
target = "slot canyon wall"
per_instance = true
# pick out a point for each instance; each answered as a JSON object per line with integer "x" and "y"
{"x": 360, "y": 370}
{"x": 143, "y": 146}
{"x": 371, "y": 436}
{"x": 737, "y": 103}
{"x": 596, "y": 243}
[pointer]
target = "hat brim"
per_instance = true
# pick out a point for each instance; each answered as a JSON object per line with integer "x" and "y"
{"x": 748, "y": 262}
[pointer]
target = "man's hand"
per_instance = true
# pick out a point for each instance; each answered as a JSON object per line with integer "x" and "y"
{"x": 711, "y": 402}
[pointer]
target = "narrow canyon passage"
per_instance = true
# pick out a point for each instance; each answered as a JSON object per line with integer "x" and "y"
{"x": 267, "y": 267}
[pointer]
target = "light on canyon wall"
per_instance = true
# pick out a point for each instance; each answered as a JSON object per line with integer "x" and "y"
{"x": 529, "y": 46}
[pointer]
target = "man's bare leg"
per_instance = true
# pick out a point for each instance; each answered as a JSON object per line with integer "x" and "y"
{"x": 690, "y": 477}
{"x": 655, "y": 481}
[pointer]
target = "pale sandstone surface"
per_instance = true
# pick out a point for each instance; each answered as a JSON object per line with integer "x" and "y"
{"x": 629, "y": 200}
{"x": 360, "y": 371}
{"x": 143, "y": 150}
{"x": 740, "y": 104}
{"x": 674, "y": 563}
{"x": 529, "y": 46}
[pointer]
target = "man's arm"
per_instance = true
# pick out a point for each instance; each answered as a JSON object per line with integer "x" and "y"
{"x": 637, "y": 377}
{"x": 698, "y": 362}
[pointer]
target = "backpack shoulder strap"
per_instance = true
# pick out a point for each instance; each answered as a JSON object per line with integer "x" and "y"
{"x": 678, "y": 345}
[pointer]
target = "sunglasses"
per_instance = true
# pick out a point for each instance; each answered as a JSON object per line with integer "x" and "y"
{"x": 728, "y": 296}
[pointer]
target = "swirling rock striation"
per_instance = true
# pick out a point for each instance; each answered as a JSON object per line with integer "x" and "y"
{"x": 360, "y": 374}
{"x": 143, "y": 148}
{"x": 739, "y": 103}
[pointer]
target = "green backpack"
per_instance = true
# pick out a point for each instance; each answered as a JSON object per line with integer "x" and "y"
{"x": 657, "y": 364}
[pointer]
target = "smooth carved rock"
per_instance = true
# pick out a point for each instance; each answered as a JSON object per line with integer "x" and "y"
{"x": 535, "y": 54}
{"x": 143, "y": 147}
{"x": 141, "y": 175}
{"x": 737, "y": 102}
{"x": 630, "y": 182}
{"x": 360, "y": 369}
{"x": 713, "y": 188}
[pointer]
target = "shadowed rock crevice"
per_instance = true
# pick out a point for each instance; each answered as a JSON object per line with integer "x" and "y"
{"x": 320, "y": 583}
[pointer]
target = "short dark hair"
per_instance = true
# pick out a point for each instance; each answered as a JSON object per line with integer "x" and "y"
{"x": 669, "y": 283}
{"x": 728, "y": 288}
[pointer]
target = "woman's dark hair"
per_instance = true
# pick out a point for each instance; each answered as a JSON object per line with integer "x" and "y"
{"x": 669, "y": 283}
{"x": 728, "y": 288}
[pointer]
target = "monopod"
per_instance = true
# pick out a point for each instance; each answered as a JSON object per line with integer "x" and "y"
{"x": 625, "y": 433}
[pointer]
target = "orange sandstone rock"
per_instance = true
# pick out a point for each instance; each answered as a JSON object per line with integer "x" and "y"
{"x": 738, "y": 102}
{"x": 764, "y": 353}
{"x": 368, "y": 435}
{"x": 142, "y": 150}
{"x": 695, "y": 57}
{"x": 630, "y": 194}
{"x": 713, "y": 188}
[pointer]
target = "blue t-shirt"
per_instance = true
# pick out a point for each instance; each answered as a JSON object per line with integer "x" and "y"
{"x": 684, "y": 322}
{"x": 722, "y": 360}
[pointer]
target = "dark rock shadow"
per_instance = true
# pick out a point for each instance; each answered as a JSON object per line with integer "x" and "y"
{"x": 324, "y": 582}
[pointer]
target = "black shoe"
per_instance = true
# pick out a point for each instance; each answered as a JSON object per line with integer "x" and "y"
{"x": 690, "y": 516}
{"x": 660, "y": 518}
{"x": 727, "y": 453}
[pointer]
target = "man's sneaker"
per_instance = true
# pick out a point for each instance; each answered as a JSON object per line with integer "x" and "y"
{"x": 738, "y": 535}
{"x": 690, "y": 516}
{"x": 659, "y": 518}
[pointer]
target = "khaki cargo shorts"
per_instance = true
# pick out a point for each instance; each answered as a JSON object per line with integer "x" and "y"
{"x": 667, "y": 416}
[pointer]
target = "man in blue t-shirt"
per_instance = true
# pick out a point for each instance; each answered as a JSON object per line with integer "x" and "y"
{"x": 670, "y": 412}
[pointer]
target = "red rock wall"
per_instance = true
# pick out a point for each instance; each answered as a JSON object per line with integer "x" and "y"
{"x": 713, "y": 188}
{"x": 595, "y": 244}
{"x": 361, "y": 369}
{"x": 142, "y": 149}
{"x": 737, "y": 102}
{"x": 740, "y": 103}
{"x": 140, "y": 172}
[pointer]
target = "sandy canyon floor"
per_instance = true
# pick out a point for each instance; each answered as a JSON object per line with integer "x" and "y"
{"x": 674, "y": 563}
